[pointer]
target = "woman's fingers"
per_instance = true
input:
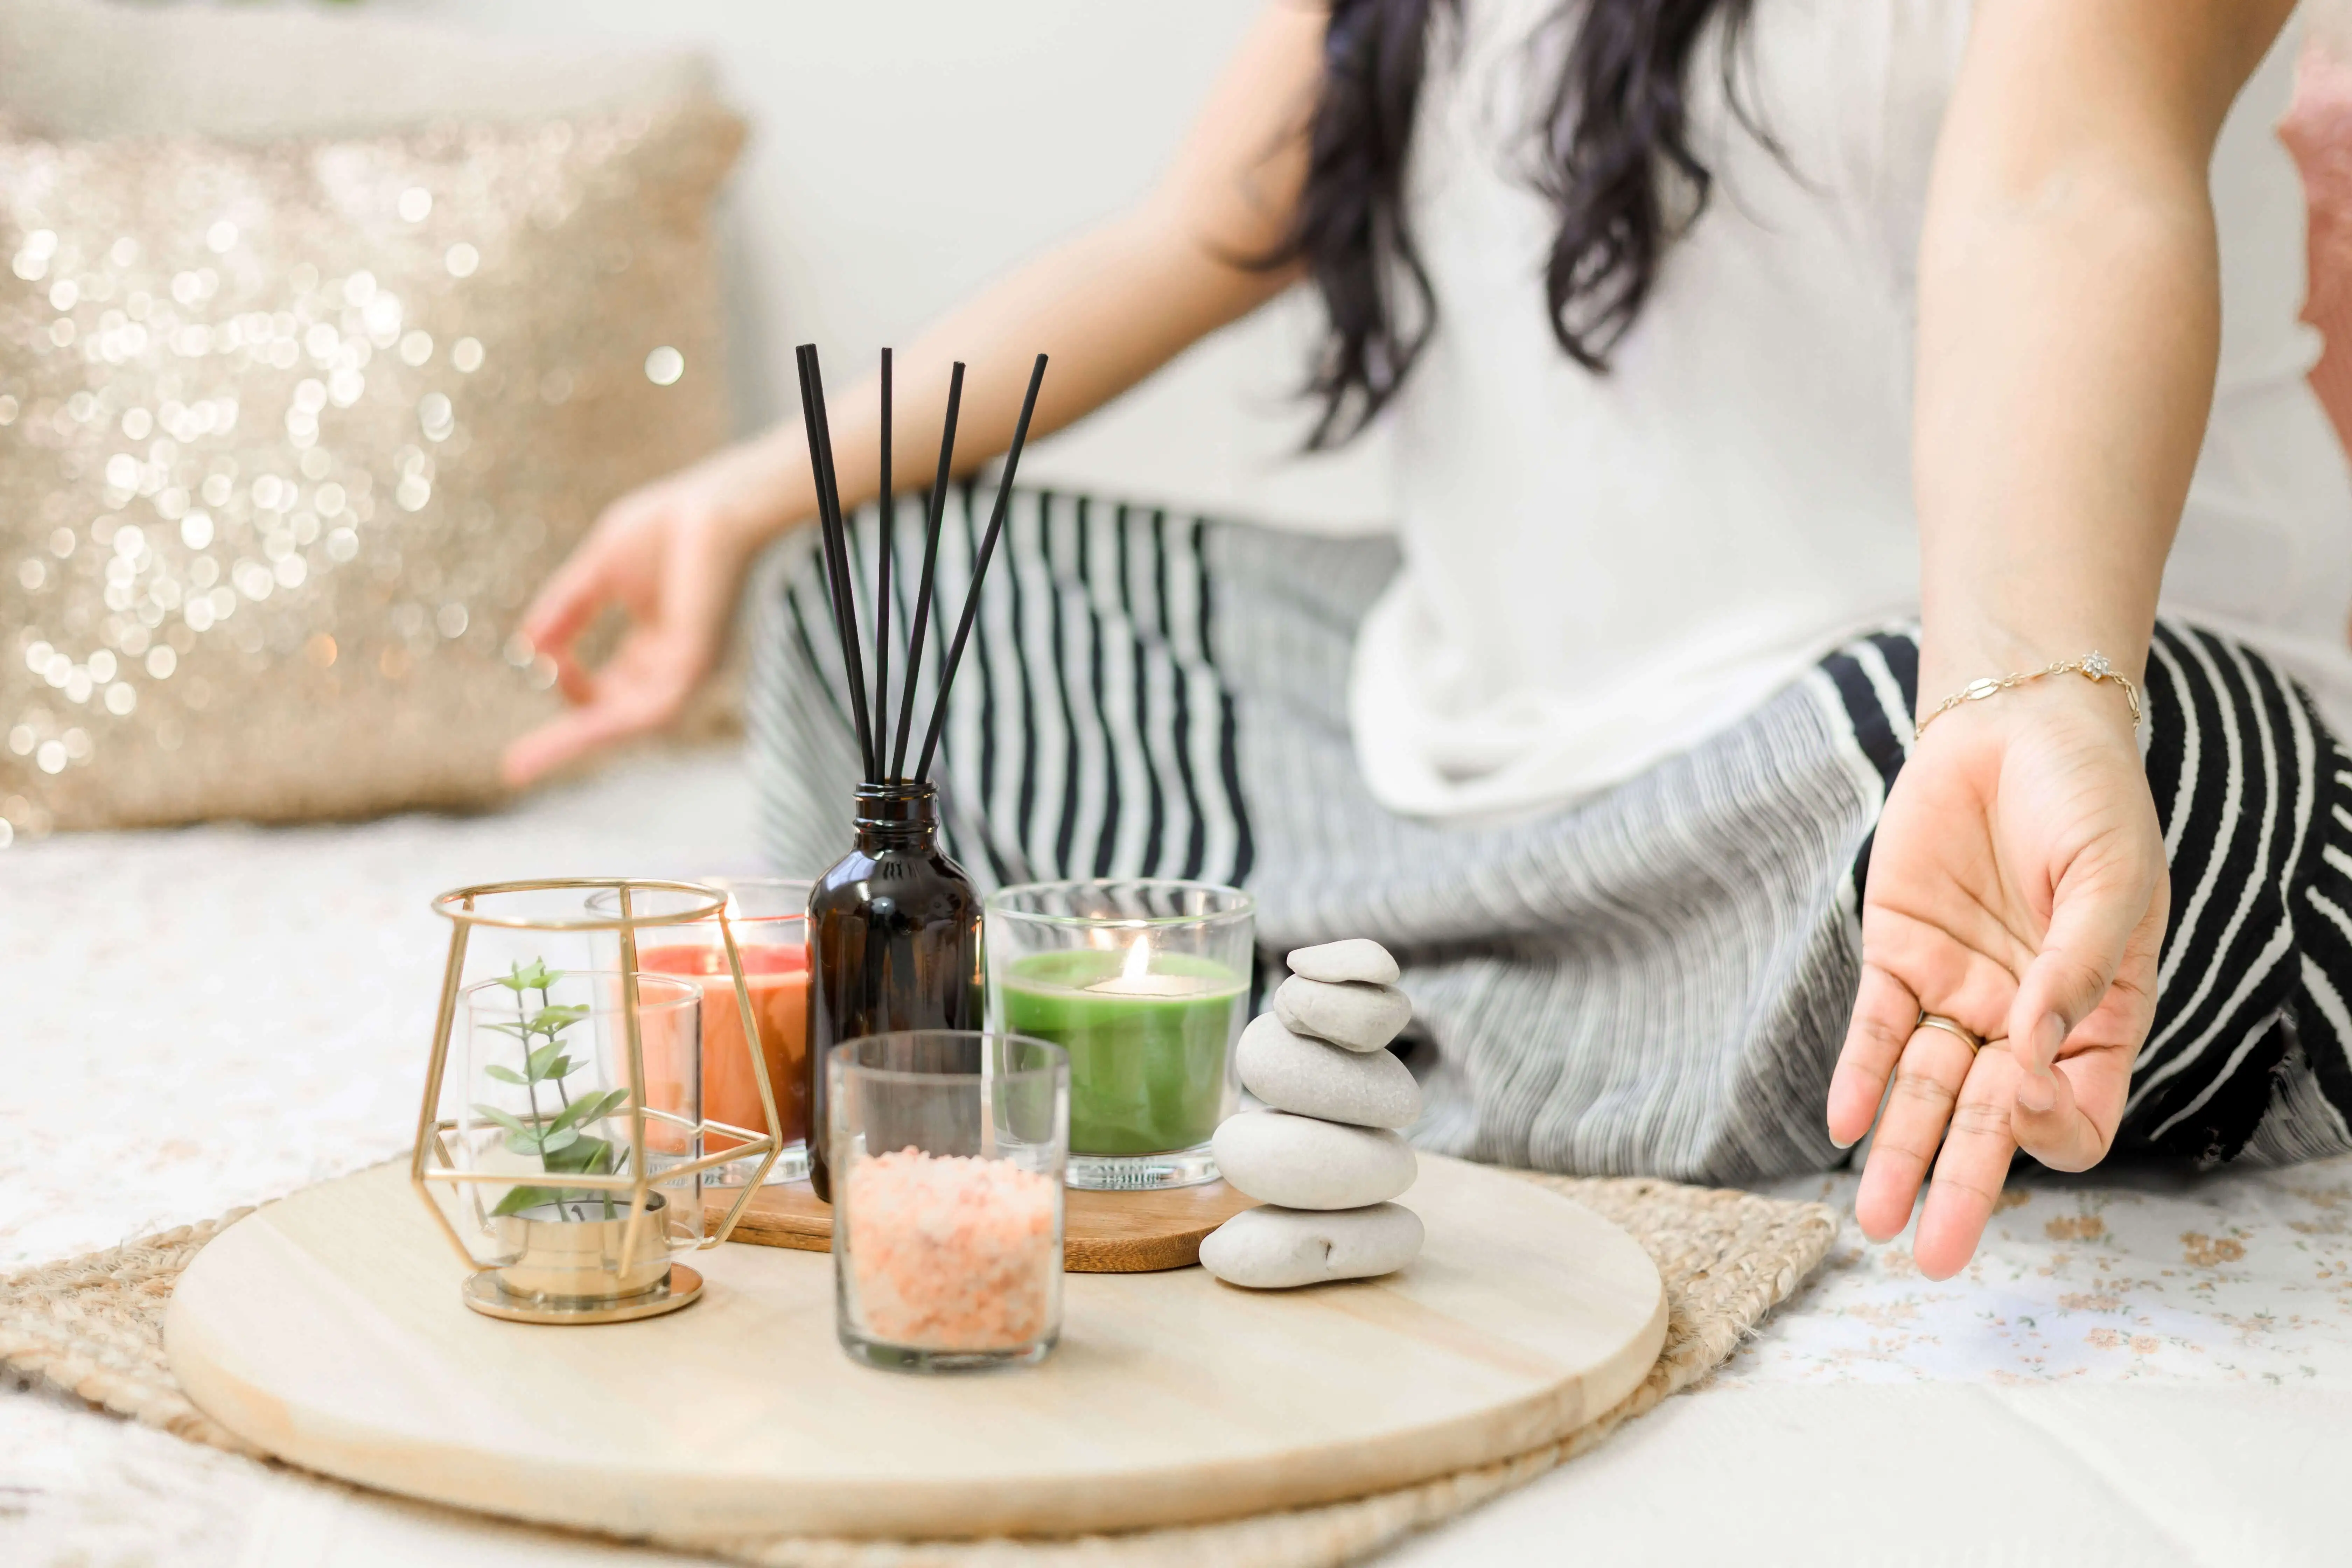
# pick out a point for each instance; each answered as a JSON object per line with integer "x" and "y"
{"x": 1961, "y": 1115}
{"x": 1988, "y": 1128}
{"x": 640, "y": 689}
{"x": 570, "y": 597}
{"x": 1885, "y": 1013}
{"x": 673, "y": 573}
{"x": 1926, "y": 1087}
{"x": 1974, "y": 1162}
{"x": 591, "y": 577}
{"x": 2072, "y": 1133}
{"x": 2092, "y": 912}
{"x": 604, "y": 719}
{"x": 567, "y": 603}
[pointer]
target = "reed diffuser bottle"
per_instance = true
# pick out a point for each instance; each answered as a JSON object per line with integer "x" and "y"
{"x": 894, "y": 928}
{"x": 894, "y": 934}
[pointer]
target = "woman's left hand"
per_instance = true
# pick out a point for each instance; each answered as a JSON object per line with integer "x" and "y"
{"x": 2018, "y": 885}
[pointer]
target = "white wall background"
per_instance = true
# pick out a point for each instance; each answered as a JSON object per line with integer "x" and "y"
{"x": 906, "y": 151}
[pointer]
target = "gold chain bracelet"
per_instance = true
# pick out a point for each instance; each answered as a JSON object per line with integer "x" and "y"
{"x": 2093, "y": 667}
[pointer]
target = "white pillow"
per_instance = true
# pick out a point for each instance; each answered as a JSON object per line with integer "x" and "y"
{"x": 90, "y": 68}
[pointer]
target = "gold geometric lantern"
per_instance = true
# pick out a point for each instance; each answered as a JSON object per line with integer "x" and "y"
{"x": 565, "y": 1158}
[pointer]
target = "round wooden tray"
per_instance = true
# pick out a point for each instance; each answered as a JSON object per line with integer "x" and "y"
{"x": 328, "y": 1329}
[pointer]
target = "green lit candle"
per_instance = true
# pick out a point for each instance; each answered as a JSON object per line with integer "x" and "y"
{"x": 1148, "y": 1035}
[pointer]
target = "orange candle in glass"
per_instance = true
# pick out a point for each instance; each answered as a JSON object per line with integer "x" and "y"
{"x": 770, "y": 920}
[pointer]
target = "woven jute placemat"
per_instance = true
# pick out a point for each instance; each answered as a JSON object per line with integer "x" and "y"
{"x": 94, "y": 1326}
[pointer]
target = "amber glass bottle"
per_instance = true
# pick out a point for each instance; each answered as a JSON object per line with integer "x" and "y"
{"x": 894, "y": 941}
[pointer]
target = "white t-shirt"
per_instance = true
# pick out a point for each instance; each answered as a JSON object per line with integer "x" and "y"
{"x": 1604, "y": 570}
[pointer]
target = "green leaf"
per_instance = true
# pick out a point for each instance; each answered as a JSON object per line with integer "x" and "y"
{"x": 587, "y": 1156}
{"x": 517, "y": 1030}
{"x": 554, "y": 1018}
{"x": 537, "y": 1064}
{"x": 614, "y": 1101}
{"x": 511, "y": 1122}
{"x": 522, "y": 1199}
{"x": 558, "y": 1137}
{"x": 537, "y": 977}
{"x": 585, "y": 1110}
{"x": 513, "y": 980}
{"x": 522, "y": 1142}
{"x": 504, "y": 1074}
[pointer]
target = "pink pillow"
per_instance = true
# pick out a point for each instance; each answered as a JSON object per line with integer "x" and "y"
{"x": 2318, "y": 130}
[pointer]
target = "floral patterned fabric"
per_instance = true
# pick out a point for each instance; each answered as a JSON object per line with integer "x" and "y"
{"x": 2241, "y": 1277}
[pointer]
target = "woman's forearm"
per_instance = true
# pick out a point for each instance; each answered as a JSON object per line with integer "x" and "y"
{"x": 2066, "y": 356}
{"x": 2069, "y": 324}
{"x": 1108, "y": 308}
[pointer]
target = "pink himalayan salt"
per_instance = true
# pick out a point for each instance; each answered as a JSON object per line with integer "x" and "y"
{"x": 951, "y": 1253}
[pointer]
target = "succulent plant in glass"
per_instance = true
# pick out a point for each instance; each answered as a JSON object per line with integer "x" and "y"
{"x": 558, "y": 1137}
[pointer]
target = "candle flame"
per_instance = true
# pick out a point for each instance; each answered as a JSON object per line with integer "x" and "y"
{"x": 1139, "y": 960}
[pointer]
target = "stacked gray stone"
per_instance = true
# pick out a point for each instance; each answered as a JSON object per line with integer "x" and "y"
{"x": 1325, "y": 1158}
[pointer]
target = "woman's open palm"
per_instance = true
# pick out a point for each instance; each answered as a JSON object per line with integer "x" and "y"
{"x": 2017, "y": 885}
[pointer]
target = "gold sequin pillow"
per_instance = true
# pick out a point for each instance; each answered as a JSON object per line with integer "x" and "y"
{"x": 290, "y": 432}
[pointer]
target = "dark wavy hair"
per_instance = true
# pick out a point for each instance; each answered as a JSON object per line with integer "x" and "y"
{"x": 1613, "y": 154}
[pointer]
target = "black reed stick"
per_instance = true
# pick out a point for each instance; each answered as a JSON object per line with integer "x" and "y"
{"x": 837, "y": 553}
{"x": 882, "y": 589}
{"x": 849, "y": 580}
{"x": 930, "y": 559}
{"x": 979, "y": 568}
{"x": 823, "y": 512}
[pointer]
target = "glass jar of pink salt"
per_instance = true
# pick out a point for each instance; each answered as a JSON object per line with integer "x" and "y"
{"x": 948, "y": 1148}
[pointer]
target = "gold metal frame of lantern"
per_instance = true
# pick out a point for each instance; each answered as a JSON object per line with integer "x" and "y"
{"x": 482, "y": 1290}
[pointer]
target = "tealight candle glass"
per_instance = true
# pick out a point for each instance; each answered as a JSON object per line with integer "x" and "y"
{"x": 769, "y": 916}
{"x": 947, "y": 1148}
{"x": 1145, "y": 982}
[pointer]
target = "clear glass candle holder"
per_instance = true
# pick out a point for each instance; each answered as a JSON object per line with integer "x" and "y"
{"x": 1145, "y": 982}
{"x": 946, "y": 1148}
{"x": 769, "y": 916}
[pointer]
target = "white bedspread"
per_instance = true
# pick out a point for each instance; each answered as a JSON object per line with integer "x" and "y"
{"x": 2140, "y": 1369}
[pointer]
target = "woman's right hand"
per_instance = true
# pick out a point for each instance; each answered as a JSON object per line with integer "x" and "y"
{"x": 672, "y": 555}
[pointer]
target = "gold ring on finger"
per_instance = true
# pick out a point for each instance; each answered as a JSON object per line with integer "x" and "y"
{"x": 1951, "y": 1026}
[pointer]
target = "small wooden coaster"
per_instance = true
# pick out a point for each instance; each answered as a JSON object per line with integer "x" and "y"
{"x": 1103, "y": 1233}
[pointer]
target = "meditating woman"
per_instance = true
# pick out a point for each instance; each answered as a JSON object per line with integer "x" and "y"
{"x": 1766, "y": 380}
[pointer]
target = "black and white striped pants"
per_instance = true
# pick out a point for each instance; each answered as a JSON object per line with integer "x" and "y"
{"x": 1653, "y": 980}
